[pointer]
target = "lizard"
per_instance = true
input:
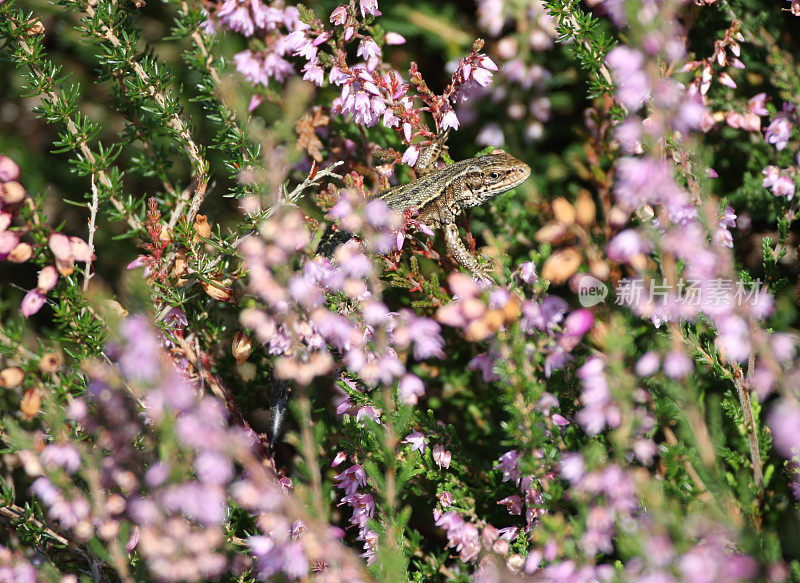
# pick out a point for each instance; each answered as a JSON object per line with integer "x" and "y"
{"x": 440, "y": 196}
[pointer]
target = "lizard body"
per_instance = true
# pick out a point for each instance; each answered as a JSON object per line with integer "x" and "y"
{"x": 442, "y": 195}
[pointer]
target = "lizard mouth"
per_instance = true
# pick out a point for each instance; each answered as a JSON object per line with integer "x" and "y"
{"x": 521, "y": 175}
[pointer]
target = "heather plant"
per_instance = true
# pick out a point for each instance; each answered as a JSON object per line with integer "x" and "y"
{"x": 223, "y": 357}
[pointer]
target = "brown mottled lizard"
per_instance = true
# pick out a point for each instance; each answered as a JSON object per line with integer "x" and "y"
{"x": 442, "y": 195}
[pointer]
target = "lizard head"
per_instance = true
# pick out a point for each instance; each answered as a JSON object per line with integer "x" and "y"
{"x": 495, "y": 174}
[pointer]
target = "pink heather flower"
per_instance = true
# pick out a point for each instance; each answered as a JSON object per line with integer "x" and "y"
{"x": 368, "y": 49}
{"x": 314, "y": 73}
{"x": 424, "y": 333}
{"x": 136, "y": 263}
{"x": 441, "y": 456}
{"x": 783, "y": 346}
{"x": 599, "y": 410}
{"x": 491, "y": 135}
{"x": 449, "y": 120}
{"x": 8, "y": 241}
{"x": 259, "y": 67}
{"x": 629, "y": 135}
{"x": 461, "y": 535}
{"x": 560, "y": 420}
{"x": 579, "y": 322}
{"x": 482, "y": 77}
{"x": 646, "y": 180}
{"x": 60, "y": 246}
{"x": 417, "y": 440}
{"x": 351, "y": 479}
{"x": 779, "y": 131}
{"x": 726, "y": 80}
{"x": 64, "y": 456}
{"x": 5, "y": 220}
{"x": 269, "y": 18}
{"x": 48, "y": 277}
{"x": 677, "y": 364}
{"x": 784, "y": 420}
{"x": 298, "y": 43}
{"x": 213, "y": 468}
{"x": 627, "y": 245}
{"x": 9, "y": 170}
{"x": 339, "y": 15}
{"x": 757, "y": 104}
{"x": 255, "y": 101}
{"x": 80, "y": 249}
{"x": 235, "y": 15}
{"x": 340, "y": 457}
{"x": 32, "y": 303}
{"x": 513, "y": 504}
{"x": 369, "y": 412}
{"x": 490, "y": 16}
{"x": 648, "y": 364}
{"x": 411, "y": 156}
{"x": 411, "y": 389}
{"x": 487, "y": 63}
{"x": 321, "y": 38}
{"x": 573, "y": 467}
{"x": 392, "y": 38}
{"x": 369, "y": 7}
{"x": 485, "y": 363}
{"x": 690, "y": 114}
{"x": 527, "y": 272}
{"x": 633, "y": 86}
{"x": 508, "y": 465}
{"x": 784, "y": 186}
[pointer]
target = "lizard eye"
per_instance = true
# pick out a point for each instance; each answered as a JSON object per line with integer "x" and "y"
{"x": 494, "y": 175}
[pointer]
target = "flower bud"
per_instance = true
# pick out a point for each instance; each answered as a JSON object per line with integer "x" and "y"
{"x": 201, "y": 227}
{"x": 35, "y": 27}
{"x": 563, "y": 211}
{"x": 21, "y": 253}
{"x": 477, "y": 331}
{"x": 216, "y": 290}
{"x": 31, "y": 403}
{"x": 585, "y": 209}
{"x": 65, "y": 267}
{"x": 550, "y": 233}
{"x": 560, "y": 266}
{"x": 48, "y": 277}
{"x": 31, "y": 303}
{"x": 181, "y": 264}
{"x": 5, "y": 221}
{"x": 617, "y": 217}
{"x": 8, "y": 242}
{"x": 8, "y": 169}
{"x": 512, "y": 309}
{"x": 493, "y": 320}
{"x": 11, "y": 377}
{"x": 80, "y": 250}
{"x": 241, "y": 347}
{"x": 50, "y": 362}
{"x": 60, "y": 246}
{"x": 12, "y": 192}
{"x": 600, "y": 269}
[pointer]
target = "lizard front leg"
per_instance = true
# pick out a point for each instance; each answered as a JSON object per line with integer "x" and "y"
{"x": 455, "y": 246}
